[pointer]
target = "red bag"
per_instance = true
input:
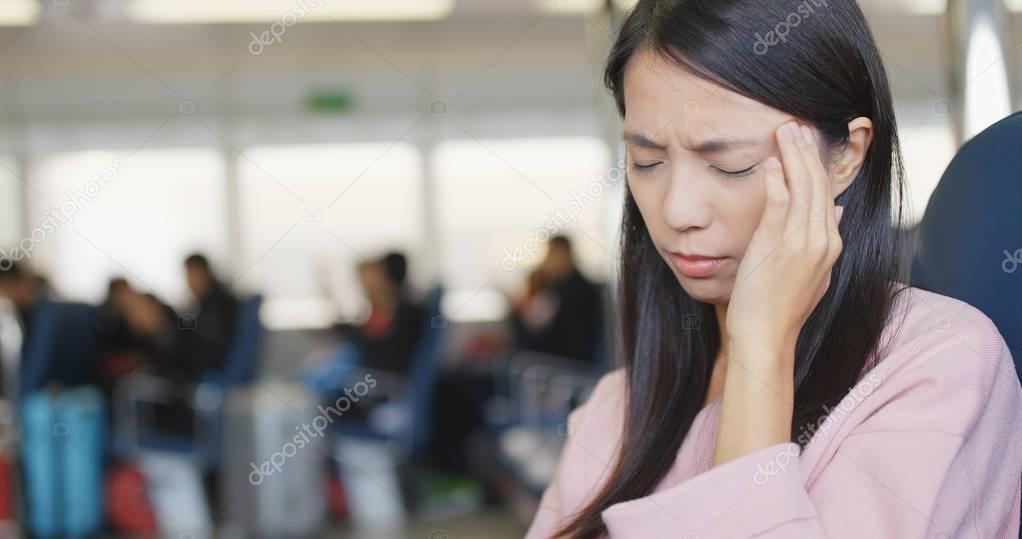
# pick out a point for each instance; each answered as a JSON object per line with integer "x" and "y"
{"x": 337, "y": 500}
{"x": 128, "y": 505}
{"x": 6, "y": 488}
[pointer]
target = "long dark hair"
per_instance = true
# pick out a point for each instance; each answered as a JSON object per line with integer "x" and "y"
{"x": 826, "y": 70}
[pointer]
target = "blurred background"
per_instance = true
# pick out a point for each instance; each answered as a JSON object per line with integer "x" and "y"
{"x": 339, "y": 268}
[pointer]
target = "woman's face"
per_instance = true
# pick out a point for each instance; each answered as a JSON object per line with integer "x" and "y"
{"x": 695, "y": 168}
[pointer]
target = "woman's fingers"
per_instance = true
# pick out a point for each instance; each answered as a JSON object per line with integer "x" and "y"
{"x": 821, "y": 212}
{"x": 797, "y": 176}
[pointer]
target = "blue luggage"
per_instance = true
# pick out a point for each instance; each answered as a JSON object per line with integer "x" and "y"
{"x": 62, "y": 449}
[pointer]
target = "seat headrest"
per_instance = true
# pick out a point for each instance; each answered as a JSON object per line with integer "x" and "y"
{"x": 969, "y": 242}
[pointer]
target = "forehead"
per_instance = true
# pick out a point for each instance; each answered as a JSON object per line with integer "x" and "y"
{"x": 662, "y": 99}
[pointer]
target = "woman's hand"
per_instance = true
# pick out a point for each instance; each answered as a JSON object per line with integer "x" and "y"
{"x": 787, "y": 265}
{"x": 784, "y": 274}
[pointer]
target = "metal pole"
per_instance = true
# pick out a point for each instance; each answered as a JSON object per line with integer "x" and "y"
{"x": 979, "y": 73}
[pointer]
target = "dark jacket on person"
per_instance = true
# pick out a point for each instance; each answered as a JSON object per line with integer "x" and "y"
{"x": 575, "y": 328}
{"x": 206, "y": 335}
{"x": 393, "y": 347}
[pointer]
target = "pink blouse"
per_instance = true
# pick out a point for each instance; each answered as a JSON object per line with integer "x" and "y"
{"x": 927, "y": 444}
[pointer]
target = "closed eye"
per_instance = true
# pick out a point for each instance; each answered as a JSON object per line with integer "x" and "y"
{"x": 640, "y": 168}
{"x": 737, "y": 173}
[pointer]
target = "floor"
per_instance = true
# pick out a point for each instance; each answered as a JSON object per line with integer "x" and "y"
{"x": 488, "y": 524}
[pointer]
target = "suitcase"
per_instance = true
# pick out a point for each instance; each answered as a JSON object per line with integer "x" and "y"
{"x": 274, "y": 463}
{"x": 176, "y": 492}
{"x": 62, "y": 450}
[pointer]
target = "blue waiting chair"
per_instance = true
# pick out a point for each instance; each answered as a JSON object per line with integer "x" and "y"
{"x": 62, "y": 347}
{"x": 206, "y": 397}
{"x": 408, "y": 397}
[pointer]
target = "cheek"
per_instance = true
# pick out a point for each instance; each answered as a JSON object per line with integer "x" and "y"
{"x": 746, "y": 213}
{"x": 650, "y": 201}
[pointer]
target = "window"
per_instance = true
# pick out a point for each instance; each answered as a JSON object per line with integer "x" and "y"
{"x": 499, "y": 200}
{"x": 927, "y": 147}
{"x": 310, "y": 213}
{"x": 10, "y": 206}
{"x": 106, "y": 213}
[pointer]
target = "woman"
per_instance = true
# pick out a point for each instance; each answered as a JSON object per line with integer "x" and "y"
{"x": 790, "y": 386}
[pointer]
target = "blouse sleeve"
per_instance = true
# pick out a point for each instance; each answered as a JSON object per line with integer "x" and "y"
{"x": 934, "y": 450}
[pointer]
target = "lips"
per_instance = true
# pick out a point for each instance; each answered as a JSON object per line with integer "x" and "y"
{"x": 696, "y": 266}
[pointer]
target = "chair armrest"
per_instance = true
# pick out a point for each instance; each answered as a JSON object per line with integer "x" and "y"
{"x": 387, "y": 384}
{"x": 204, "y": 399}
{"x": 545, "y": 388}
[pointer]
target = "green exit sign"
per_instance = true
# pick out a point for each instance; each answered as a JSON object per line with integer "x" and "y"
{"x": 333, "y": 101}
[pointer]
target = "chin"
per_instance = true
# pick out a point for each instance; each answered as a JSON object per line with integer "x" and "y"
{"x": 714, "y": 290}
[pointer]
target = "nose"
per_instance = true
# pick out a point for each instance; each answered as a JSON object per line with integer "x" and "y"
{"x": 687, "y": 204}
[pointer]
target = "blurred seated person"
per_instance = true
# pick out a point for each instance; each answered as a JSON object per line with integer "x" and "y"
{"x": 20, "y": 289}
{"x": 562, "y": 312}
{"x": 184, "y": 349}
{"x": 207, "y": 326}
{"x": 387, "y": 339}
{"x": 136, "y": 330}
{"x": 65, "y": 361}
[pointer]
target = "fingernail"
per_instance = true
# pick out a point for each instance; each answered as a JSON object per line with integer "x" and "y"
{"x": 772, "y": 164}
{"x": 787, "y": 131}
{"x": 807, "y": 134}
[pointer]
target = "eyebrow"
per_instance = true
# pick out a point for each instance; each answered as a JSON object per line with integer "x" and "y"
{"x": 717, "y": 145}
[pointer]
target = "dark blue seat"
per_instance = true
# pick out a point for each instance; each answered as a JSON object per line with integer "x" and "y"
{"x": 969, "y": 242}
{"x": 62, "y": 346}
